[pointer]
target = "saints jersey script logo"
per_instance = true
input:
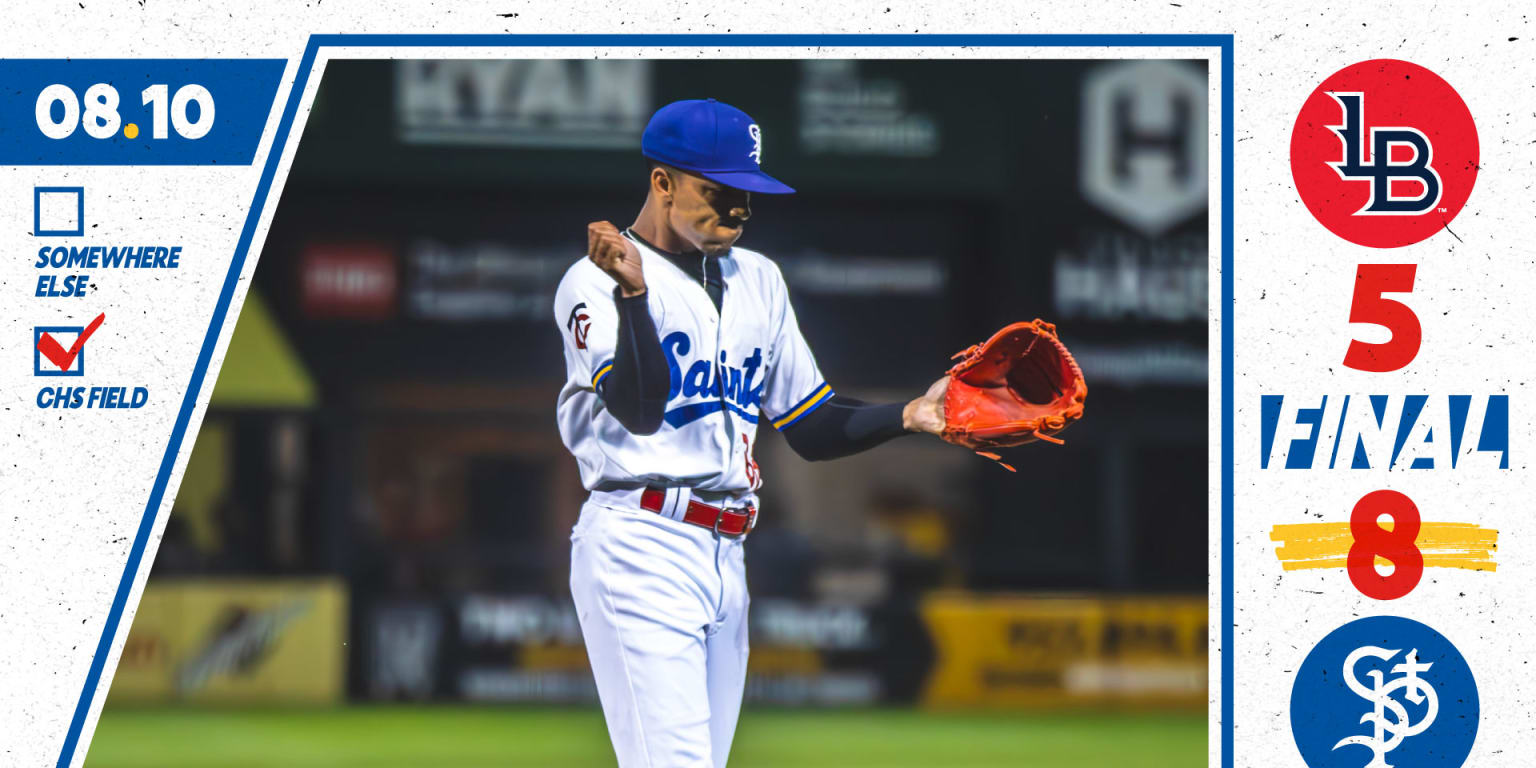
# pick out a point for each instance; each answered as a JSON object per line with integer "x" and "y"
{"x": 730, "y": 387}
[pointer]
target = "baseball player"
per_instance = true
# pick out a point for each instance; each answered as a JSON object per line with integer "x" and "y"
{"x": 678, "y": 344}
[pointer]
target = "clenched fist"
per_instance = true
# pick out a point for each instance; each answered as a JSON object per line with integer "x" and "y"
{"x": 613, "y": 253}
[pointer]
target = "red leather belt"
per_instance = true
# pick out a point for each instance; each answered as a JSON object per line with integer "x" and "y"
{"x": 727, "y": 522}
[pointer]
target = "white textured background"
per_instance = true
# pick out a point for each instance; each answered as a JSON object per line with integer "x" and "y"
{"x": 73, "y": 485}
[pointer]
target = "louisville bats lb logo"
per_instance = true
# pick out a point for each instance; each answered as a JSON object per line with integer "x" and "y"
{"x": 1378, "y": 168}
{"x": 1384, "y": 153}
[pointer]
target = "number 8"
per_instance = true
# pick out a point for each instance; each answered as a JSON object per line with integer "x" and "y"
{"x": 101, "y": 120}
{"x": 1398, "y": 545}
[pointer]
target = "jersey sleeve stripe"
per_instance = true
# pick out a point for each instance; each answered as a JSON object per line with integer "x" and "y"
{"x": 602, "y": 371}
{"x": 811, "y": 403}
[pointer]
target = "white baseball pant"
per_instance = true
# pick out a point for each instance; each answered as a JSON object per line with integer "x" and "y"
{"x": 663, "y": 611}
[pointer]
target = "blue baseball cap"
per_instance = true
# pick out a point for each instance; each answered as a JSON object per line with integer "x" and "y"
{"x": 714, "y": 140}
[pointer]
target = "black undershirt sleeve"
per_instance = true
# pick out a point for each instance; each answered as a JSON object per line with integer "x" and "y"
{"x": 635, "y": 391}
{"x": 843, "y": 426}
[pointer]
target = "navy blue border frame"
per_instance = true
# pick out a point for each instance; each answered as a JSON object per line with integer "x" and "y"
{"x": 280, "y": 143}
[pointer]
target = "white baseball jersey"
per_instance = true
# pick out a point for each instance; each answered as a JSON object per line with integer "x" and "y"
{"x": 728, "y": 367}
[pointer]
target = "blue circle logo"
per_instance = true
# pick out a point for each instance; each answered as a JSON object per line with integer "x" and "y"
{"x": 1384, "y": 692}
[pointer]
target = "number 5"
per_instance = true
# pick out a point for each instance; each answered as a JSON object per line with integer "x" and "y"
{"x": 1369, "y": 306}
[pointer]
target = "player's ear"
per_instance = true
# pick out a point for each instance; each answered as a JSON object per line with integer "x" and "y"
{"x": 662, "y": 184}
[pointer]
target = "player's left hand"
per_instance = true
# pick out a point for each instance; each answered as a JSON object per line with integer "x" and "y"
{"x": 926, "y": 413}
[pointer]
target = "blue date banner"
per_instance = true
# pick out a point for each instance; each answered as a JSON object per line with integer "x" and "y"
{"x": 134, "y": 111}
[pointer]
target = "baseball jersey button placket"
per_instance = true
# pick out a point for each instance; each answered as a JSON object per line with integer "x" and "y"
{"x": 729, "y": 421}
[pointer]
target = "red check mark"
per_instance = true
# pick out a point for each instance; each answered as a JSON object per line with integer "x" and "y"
{"x": 55, "y": 351}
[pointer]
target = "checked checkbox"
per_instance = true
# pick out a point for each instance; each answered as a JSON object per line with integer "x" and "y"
{"x": 61, "y": 361}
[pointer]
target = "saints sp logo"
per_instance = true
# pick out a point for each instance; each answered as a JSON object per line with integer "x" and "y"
{"x": 1384, "y": 692}
{"x": 1388, "y": 719}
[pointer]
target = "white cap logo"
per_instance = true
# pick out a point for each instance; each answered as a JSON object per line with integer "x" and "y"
{"x": 757, "y": 143}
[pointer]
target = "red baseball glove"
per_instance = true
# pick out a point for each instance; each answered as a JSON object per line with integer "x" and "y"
{"x": 1017, "y": 387}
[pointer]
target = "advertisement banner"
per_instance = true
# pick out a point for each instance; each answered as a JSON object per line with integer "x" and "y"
{"x": 236, "y": 642}
{"x": 1064, "y": 651}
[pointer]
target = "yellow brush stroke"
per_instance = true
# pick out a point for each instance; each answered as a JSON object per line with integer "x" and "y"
{"x": 1444, "y": 545}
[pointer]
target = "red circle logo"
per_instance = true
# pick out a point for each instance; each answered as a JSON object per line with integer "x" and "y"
{"x": 1384, "y": 153}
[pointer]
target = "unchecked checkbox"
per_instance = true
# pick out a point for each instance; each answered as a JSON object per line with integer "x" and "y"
{"x": 58, "y": 211}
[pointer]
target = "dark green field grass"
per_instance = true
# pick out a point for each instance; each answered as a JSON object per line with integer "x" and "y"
{"x": 464, "y": 737}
